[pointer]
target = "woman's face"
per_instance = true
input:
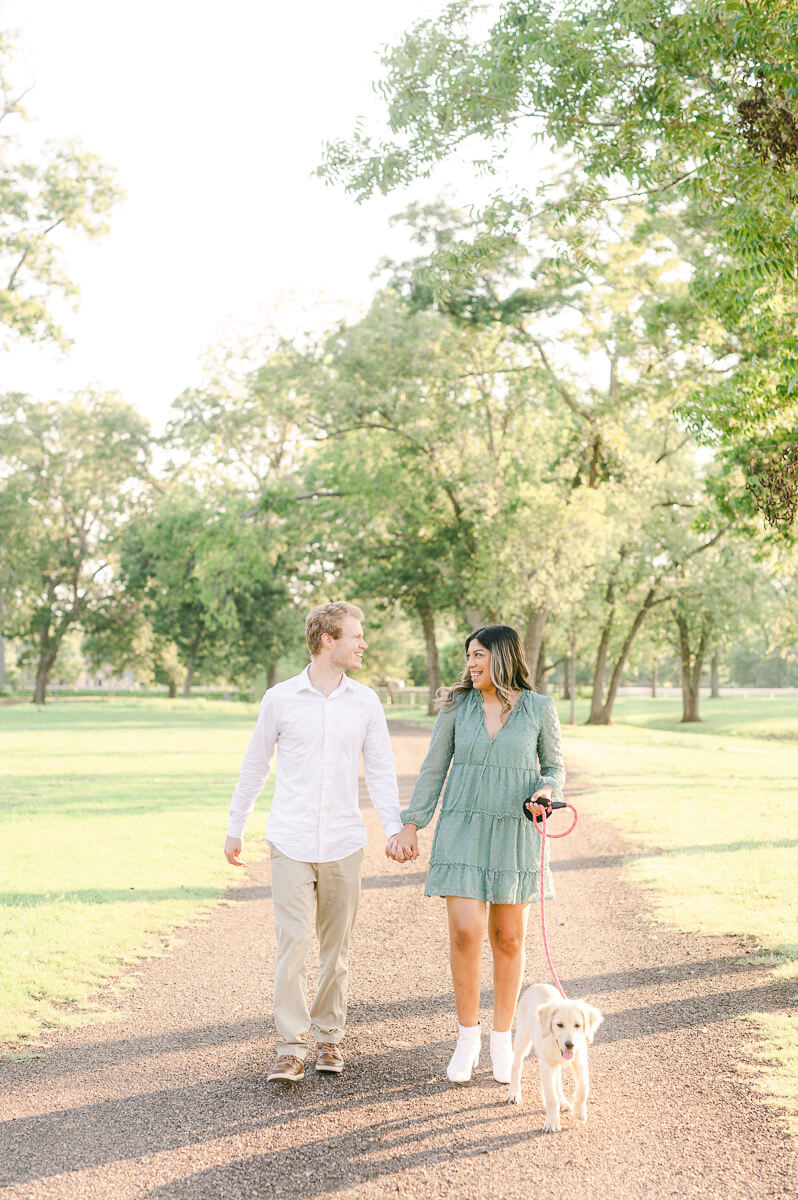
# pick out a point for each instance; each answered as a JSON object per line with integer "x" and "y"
{"x": 478, "y": 663}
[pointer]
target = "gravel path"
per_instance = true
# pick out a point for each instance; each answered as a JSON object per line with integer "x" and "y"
{"x": 171, "y": 1102}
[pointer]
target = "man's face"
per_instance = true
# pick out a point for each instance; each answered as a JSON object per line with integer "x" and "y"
{"x": 346, "y": 652}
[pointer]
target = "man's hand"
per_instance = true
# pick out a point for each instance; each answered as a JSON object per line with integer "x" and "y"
{"x": 403, "y": 847}
{"x": 232, "y": 851}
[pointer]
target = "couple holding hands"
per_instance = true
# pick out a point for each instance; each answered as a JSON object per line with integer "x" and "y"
{"x": 497, "y": 740}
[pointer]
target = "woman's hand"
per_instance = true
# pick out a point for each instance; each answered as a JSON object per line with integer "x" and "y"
{"x": 403, "y": 847}
{"x": 537, "y": 810}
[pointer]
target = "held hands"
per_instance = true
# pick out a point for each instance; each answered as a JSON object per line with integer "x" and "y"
{"x": 403, "y": 847}
{"x": 232, "y": 851}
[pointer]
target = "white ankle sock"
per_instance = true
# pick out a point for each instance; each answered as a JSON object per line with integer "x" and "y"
{"x": 501, "y": 1055}
{"x": 466, "y": 1053}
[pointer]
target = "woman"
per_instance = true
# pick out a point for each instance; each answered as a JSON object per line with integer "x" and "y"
{"x": 502, "y": 740}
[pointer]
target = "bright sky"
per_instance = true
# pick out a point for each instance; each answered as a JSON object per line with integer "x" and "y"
{"x": 213, "y": 113}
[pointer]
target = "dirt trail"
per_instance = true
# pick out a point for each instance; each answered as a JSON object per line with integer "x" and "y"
{"x": 170, "y": 1101}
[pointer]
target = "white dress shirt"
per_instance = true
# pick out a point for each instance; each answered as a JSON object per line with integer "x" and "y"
{"x": 315, "y": 815}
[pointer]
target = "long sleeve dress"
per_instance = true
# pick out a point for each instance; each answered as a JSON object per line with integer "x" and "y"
{"x": 484, "y": 847}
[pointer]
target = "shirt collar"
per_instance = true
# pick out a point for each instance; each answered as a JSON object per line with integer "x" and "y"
{"x": 304, "y": 684}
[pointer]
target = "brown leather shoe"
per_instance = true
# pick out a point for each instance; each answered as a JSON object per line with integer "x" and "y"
{"x": 329, "y": 1057}
{"x": 288, "y": 1067}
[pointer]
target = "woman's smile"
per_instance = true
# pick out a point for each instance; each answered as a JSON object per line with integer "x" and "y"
{"x": 478, "y": 663}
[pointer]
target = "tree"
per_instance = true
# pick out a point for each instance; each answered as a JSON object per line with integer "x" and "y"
{"x": 70, "y": 476}
{"x": 62, "y": 188}
{"x": 690, "y": 108}
{"x": 208, "y": 580}
{"x": 718, "y": 597}
{"x": 605, "y": 457}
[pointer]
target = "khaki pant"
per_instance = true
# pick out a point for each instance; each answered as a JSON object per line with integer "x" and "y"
{"x": 329, "y": 892}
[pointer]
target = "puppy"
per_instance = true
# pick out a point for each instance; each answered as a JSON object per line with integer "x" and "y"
{"x": 559, "y": 1031}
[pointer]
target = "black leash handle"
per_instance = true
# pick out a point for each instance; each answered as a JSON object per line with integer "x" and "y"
{"x": 548, "y": 805}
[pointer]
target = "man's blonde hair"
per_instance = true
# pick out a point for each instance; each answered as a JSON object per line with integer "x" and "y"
{"x": 327, "y": 618}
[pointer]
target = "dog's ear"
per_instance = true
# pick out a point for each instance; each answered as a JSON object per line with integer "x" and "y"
{"x": 593, "y": 1019}
{"x": 545, "y": 1014}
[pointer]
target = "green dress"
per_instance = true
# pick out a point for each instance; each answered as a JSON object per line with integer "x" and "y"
{"x": 484, "y": 847}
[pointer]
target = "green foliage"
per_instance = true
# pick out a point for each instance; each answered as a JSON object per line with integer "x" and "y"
{"x": 70, "y": 475}
{"x": 210, "y": 581}
{"x": 61, "y": 187}
{"x": 689, "y": 110}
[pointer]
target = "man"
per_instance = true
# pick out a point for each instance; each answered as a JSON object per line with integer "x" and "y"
{"x": 320, "y": 721}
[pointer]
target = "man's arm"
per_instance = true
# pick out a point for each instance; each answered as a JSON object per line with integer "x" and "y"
{"x": 380, "y": 770}
{"x": 254, "y": 773}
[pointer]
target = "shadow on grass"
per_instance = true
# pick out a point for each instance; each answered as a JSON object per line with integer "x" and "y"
{"x": 23, "y": 721}
{"x": 607, "y": 861}
{"x": 108, "y": 896}
{"x": 112, "y": 795}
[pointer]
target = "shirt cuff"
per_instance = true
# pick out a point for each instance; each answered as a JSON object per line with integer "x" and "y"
{"x": 235, "y": 827}
{"x": 391, "y": 828}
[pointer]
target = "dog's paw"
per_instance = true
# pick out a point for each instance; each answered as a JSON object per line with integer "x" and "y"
{"x": 566, "y": 1106}
{"x": 552, "y": 1123}
{"x": 514, "y": 1097}
{"x": 580, "y": 1113}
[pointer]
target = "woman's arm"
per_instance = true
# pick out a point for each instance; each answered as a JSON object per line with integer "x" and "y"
{"x": 433, "y": 771}
{"x": 552, "y": 767}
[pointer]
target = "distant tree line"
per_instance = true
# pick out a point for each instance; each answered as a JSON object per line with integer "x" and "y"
{"x": 536, "y": 472}
{"x": 571, "y": 412}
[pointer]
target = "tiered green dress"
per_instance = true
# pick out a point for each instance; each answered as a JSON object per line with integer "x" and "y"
{"x": 484, "y": 847}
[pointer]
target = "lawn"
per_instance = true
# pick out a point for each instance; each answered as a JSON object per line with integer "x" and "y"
{"x": 710, "y": 811}
{"x": 112, "y": 819}
{"x": 112, "y": 816}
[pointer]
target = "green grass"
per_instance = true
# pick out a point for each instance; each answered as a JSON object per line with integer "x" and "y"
{"x": 712, "y": 808}
{"x": 112, "y": 815}
{"x": 112, "y": 819}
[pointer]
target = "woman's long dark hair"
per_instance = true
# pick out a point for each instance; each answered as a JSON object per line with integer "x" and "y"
{"x": 508, "y": 666}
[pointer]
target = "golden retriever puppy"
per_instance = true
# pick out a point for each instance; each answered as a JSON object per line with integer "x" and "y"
{"x": 559, "y": 1031}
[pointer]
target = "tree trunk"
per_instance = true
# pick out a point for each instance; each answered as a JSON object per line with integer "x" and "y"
{"x": 172, "y": 689}
{"x": 692, "y": 665}
{"x": 189, "y": 677}
{"x": 714, "y": 676}
{"x": 474, "y": 618}
{"x": 540, "y": 673}
{"x": 654, "y": 679}
{"x": 533, "y": 639}
{"x": 2, "y": 662}
{"x": 571, "y": 668}
{"x": 603, "y": 711}
{"x": 433, "y": 663}
{"x": 272, "y": 674}
{"x": 46, "y": 664}
{"x": 689, "y": 701}
{"x": 596, "y": 716}
{"x": 566, "y": 678}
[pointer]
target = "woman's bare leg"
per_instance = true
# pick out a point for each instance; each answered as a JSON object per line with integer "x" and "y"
{"x": 507, "y": 930}
{"x": 466, "y": 935}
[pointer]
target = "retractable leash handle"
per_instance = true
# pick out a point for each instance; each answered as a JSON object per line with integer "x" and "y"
{"x": 548, "y": 806}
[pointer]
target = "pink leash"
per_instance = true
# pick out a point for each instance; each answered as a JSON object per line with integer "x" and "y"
{"x": 543, "y": 836}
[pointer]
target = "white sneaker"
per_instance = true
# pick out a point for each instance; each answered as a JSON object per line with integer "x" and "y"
{"x": 466, "y": 1054}
{"x": 501, "y": 1055}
